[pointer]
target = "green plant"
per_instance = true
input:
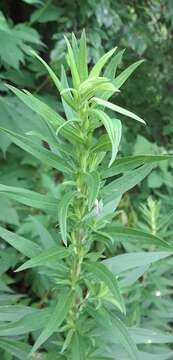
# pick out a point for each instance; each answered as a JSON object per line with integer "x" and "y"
{"x": 85, "y": 313}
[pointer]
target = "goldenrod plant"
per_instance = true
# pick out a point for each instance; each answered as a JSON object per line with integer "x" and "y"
{"x": 85, "y": 315}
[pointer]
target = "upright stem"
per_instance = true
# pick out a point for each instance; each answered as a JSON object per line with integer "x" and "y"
{"x": 79, "y": 235}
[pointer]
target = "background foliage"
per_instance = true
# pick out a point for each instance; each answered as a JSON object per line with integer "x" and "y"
{"x": 144, "y": 29}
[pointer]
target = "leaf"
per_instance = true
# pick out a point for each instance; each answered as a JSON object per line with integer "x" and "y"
{"x": 101, "y": 62}
{"x": 16, "y": 348}
{"x": 124, "y": 183}
{"x": 26, "y": 247}
{"x": 58, "y": 315}
{"x": 114, "y": 130}
{"x": 55, "y": 79}
{"x": 72, "y": 64}
{"x": 32, "y": 321}
{"x": 147, "y": 336}
{"x": 124, "y": 337}
{"x": 47, "y": 113}
{"x": 131, "y": 162}
{"x": 117, "y": 108}
{"x": 104, "y": 275}
{"x": 83, "y": 66}
{"x": 121, "y": 263}
{"x": 62, "y": 214}
{"x": 46, "y": 156}
{"x": 30, "y": 198}
{"x": 77, "y": 348}
{"x": 70, "y": 113}
{"x": 120, "y": 79}
{"x": 109, "y": 323}
{"x": 45, "y": 237}
{"x": 45, "y": 258}
{"x": 111, "y": 68}
{"x": 93, "y": 182}
{"x": 15, "y": 312}
{"x": 124, "y": 233}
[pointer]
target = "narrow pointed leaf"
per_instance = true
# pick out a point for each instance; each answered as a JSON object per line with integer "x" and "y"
{"x": 120, "y": 79}
{"x": 124, "y": 233}
{"x": 30, "y": 198}
{"x": 25, "y": 246}
{"x": 118, "y": 109}
{"x": 47, "y": 113}
{"x": 46, "y": 257}
{"x": 57, "y": 317}
{"x": 103, "y": 274}
{"x": 126, "y": 182}
{"x": 93, "y": 181}
{"x": 83, "y": 66}
{"x": 114, "y": 130}
{"x": 97, "y": 68}
{"x": 124, "y": 262}
{"x": 46, "y": 156}
{"x": 72, "y": 64}
{"x": 131, "y": 162}
{"x": 62, "y": 214}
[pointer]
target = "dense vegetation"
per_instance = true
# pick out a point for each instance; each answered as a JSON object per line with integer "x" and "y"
{"x": 98, "y": 284}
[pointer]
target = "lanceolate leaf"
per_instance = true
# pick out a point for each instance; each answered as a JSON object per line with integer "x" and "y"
{"x": 26, "y": 247}
{"x": 111, "y": 68}
{"x": 114, "y": 130}
{"x": 120, "y": 263}
{"x": 125, "y": 182}
{"x": 109, "y": 322}
{"x": 73, "y": 67}
{"x": 70, "y": 113}
{"x": 62, "y": 214}
{"x": 77, "y": 348}
{"x": 83, "y": 66}
{"x": 46, "y": 156}
{"x": 103, "y": 274}
{"x": 57, "y": 317}
{"x": 28, "y": 323}
{"x": 47, "y": 113}
{"x": 120, "y": 79}
{"x": 16, "y": 348}
{"x": 118, "y": 109}
{"x": 124, "y": 337}
{"x": 131, "y": 162}
{"x": 123, "y": 233}
{"x": 93, "y": 182}
{"x": 45, "y": 258}
{"x": 55, "y": 79}
{"x": 30, "y": 198}
{"x": 101, "y": 62}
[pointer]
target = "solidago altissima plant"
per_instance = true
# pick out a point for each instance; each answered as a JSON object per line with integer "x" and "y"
{"x": 86, "y": 314}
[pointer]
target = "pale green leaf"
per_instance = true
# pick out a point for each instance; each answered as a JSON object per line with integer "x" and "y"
{"x": 25, "y": 246}
{"x": 102, "y": 274}
{"x": 46, "y": 257}
{"x": 97, "y": 68}
{"x": 124, "y": 262}
{"x": 114, "y": 130}
{"x": 93, "y": 182}
{"x": 72, "y": 64}
{"x": 83, "y": 66}
{"x": 30, "y": 198}
{"x": 46, "y": 156}
{"x": 57, "y": 317}
{"x": 62, "y": 214}
{"x": 117, "y": 108}
{"x": 120, "y": 79}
